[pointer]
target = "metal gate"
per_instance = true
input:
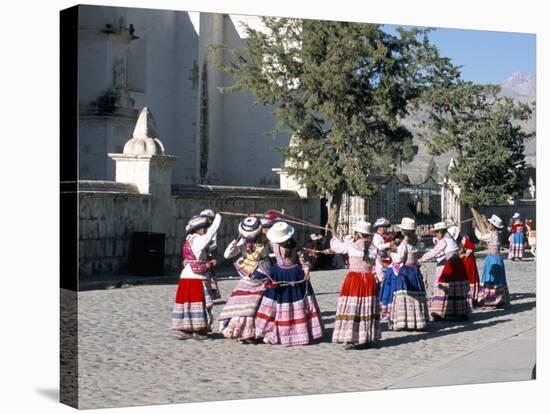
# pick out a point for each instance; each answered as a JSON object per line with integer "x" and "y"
{"x": 394, "y": 199}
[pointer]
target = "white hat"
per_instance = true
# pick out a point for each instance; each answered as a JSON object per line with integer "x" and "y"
{"x": 407, "y": 224}
{"x": 381, "y": 222}
{"x": 249, "y": 227}
{"x": 195, "y": 223}
{"x": 208, "y": 213}
{"x": 266, "y": 222}
{"x": 515, "y": 216}
{"x": 362, "y": 227}
{"x": 440, "y": 226}
{"x": 454, "y": 232}
{"x": 496, "y": 221}
{"x": 314, "y": 236}
{"x": 280, "y": 232}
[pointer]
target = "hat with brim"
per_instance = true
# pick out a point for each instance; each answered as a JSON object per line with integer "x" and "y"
{"x": 280, "y": 232}
{"x": 249, "y": 227}
{"x": 496, "y": 221}
{"x": 381, "y": 222}
{"x": 515, "y": 216}
{"x": 441, "y": 226}
{"x": 195, "y": 223}
{"x": 453, "y": 231}
{"x": 407, "y": 224}
{"x": 362, "y": 227}
{"x": 266, "y": 222}
{"x": 208, "y": 213}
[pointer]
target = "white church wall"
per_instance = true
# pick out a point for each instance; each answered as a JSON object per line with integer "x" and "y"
{"x": 239, "y": 152}
{"x": 162, "y": 69}
{"x": 159, "y": 72}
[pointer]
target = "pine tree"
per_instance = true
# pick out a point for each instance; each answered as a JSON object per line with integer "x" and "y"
{"x": 340, "y": 90}
{"x": 484, "y": 132}
{"x": 431, "y": 170}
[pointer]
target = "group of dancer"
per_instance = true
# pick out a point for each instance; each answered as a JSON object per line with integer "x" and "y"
{"x": 274, "y": 302}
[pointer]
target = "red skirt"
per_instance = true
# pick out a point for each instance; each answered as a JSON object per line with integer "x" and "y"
{"x": 471, "y": 269}
{"x": 473, "y": 278}
{"x": 192, "y": 310}
{"x": 358, "y": 310}
{"x": 453, "y": 271}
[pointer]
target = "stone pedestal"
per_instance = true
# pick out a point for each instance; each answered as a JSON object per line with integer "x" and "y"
{"x": 144, "y": 164}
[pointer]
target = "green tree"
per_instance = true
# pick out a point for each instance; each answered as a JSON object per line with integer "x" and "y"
{"x": 340, "y": 91}
{"x": 431, "y": 170}
{"x": 484, "y": 132}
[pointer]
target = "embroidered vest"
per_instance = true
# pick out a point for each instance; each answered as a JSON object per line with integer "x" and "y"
{"x": 197, "y": 266}
{"x": 249, "y": 261}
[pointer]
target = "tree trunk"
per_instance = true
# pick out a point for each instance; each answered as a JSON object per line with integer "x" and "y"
{"x": 334, "y": 202}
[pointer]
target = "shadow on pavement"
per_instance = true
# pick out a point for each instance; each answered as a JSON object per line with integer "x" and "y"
{"x": 438, "y": 332}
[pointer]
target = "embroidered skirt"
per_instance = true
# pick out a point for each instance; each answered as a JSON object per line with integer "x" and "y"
{"x": 409, "y": 307}
{"x": 450, "y": 295}
{"x": 493, "y": 289}
{"x": 237, "y": 316}
{"x": 387, "y": 289}
{"x": 288, "y": 315}
{"x": 473, "y": 279}
{"x": 516, "y": 246}
{"x": 192, "y": 310}
{"x": 358, "y": 310}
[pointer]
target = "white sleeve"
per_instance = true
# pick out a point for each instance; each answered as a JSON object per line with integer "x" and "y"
{"x": 200, "y": 242}
{"x": 401, "y": 255}
{"x": 338, "y": 246}
{"x": 232, "y": 250}
{"x": 486, "y": 237}
{"x": 436, "y": 251}
{"x": 379, "y": 243}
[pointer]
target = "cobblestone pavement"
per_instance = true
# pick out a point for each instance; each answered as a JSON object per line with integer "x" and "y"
{"x": 129, "y": 356}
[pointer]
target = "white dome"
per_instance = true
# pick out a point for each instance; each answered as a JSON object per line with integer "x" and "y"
{"x": 145, "y": 140}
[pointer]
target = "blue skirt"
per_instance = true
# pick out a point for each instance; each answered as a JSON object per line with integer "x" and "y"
{"x": 518, "y": 238}
{"x": 493, "y": 271}
{"x": 410, "y": 279}
{"x": 288, "y": 294}
{"x": 388, "y": 288}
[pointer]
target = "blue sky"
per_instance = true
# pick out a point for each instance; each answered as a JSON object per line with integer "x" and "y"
{"x": 487, "y": 57}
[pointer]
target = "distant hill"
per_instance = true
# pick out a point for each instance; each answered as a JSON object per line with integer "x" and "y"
{"x": 520, "y": 86}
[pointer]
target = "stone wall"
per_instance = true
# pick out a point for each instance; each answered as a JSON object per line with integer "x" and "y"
{"x": 110, "y": 213}
{"x": 107, "y": 221}
{"x": 233, "y": 199}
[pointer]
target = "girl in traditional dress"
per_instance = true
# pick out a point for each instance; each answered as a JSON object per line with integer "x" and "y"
{"x": 192, "y": 313}
{"x": 358, "y": 311}
{"x": 409, "y": 306}
{"x": 450, "y": 287}
{"x": 493, "y": 289}
{"x": 466, "y": 252}
{"x": 517, "y": 238}
{"x": 210, "y": 259}
{"x": 387, "y": 287}
{"x": 382, "y": 243}
{"x": 288, "y": 313}
{"x": 253, "y": 266}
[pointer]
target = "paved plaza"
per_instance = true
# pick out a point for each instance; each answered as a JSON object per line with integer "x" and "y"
{"x": 128, "y": 354}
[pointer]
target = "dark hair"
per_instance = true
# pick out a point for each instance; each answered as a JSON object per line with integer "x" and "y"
{"x": 397, "y": 236}
{"x": 411, "y": 235}
{"x": 366, "y": 245}
{"x": 289, "y": 246}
